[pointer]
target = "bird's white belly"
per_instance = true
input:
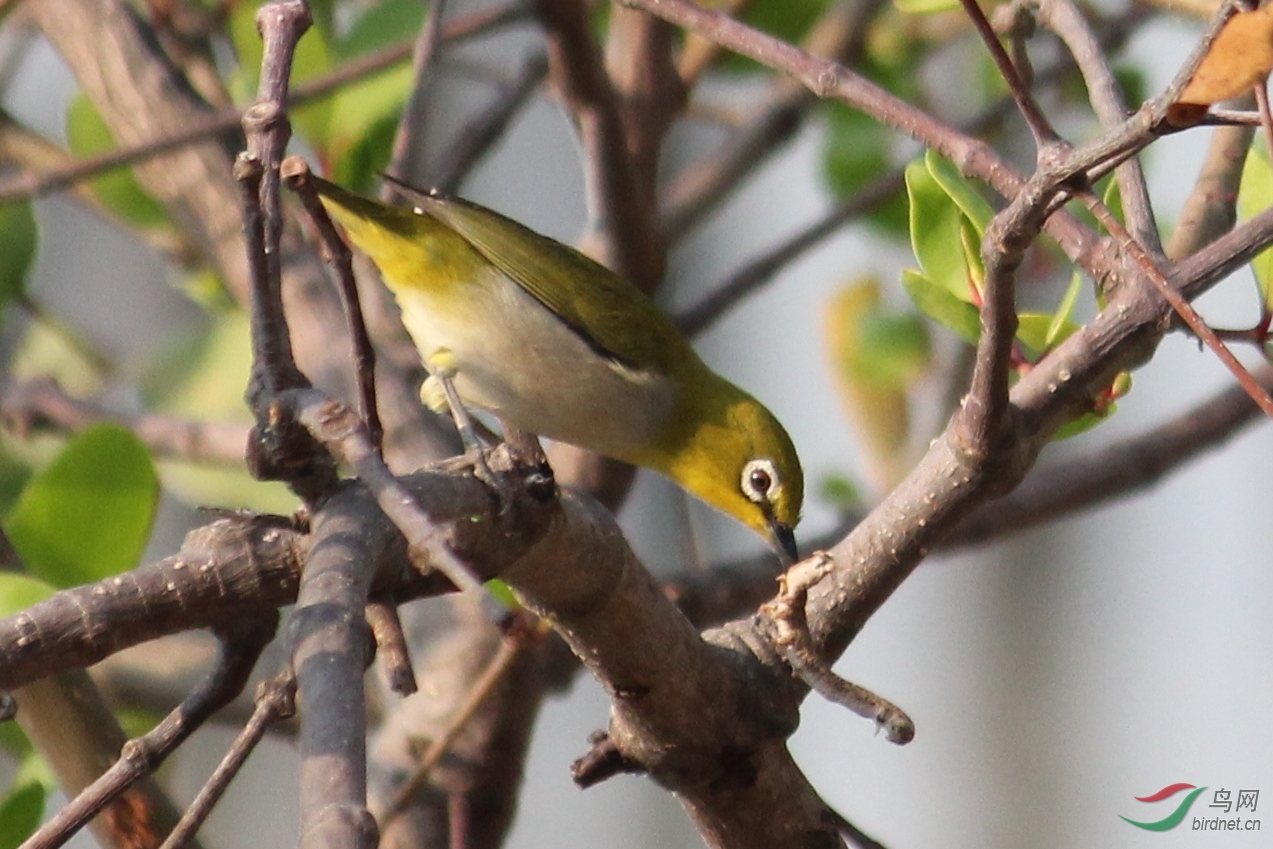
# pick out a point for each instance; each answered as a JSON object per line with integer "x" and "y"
{"x": 514, "y": 358}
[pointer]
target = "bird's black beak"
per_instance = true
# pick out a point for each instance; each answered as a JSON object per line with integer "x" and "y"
{"x": 783, "y": 539}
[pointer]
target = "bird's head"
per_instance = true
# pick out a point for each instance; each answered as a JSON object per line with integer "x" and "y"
{"x": 731, "y": 452}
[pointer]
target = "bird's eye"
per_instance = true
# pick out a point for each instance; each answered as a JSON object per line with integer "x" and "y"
{"x": 760, "y": 481}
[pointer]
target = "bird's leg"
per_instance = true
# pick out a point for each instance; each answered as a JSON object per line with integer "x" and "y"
{"x": 434, "y": 396}
{"x": 442, "y": 371}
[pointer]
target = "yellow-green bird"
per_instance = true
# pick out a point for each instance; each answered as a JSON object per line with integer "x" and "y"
{"x": 560, "y": 346}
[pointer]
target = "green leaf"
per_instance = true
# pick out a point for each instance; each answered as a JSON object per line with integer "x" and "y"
{"x": 960, "y": 190}
{"x": 13, "y": 742}
{"x": 1112, "y": 197}
{"x": 935, "y": 224}
{"x": 203, "y": 377}
{"x": 1131, "y": 79}
{"x": 323, "y": 12}
{"x": 365, "y": 114}
{"x": 939, "y": 304}
{"x": 503, "y": 593}
{"x": 894, "y": 349}
{"x": 1105, "y": 407}
{"x": 1032, "y": 330}
{"x": 117, "y": 189}
{"x": 1083, "y": 423}
{"x": 1255, "y": 196}
{"x": 1061, "y": 326}
{"x": 925, "y": 7}
{"x": 19, "y": 591}
{"x": 383, "y": 24}
{"x": 855, "y": 152}
{"x": 841, "y": 493}
{"x": 364, "y": 120}
{"x": 20, "y": 813}
{"x": 14, "y": 474}
{"x": 971, "y": 243}
{"x": 88, "y": 514}
{"x": 875, "y": 356}
{"x": 358, "y": 165}
{"x": 18, "y": 236}
{"x": 789, "y": 20}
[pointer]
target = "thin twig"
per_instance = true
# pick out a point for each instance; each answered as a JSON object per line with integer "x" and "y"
{"x": 624, "y": 234}
{"x": 295, "y": 173}
{"x": 1065, "y": 19}
{"x": 1211, "y": 208}
{"x": 41, "y": 404}
{"x": 1180, "y": 304}
{"x": 339, "y": 430}
{"x": 408, "y": 141}
{"x": 277, "y": 450}
{"x": 35, "y": 184}
{"x": 1040, "y": 127}
{"x": 1266, "y": 119}
{"x": 480, "y": 135}
{"x": 786, "y": 613}
{"x": 973, "y": 156}
{"x": 391, "y": 647}
{"x": 142, "y": 756}
{"x": 857, "y": 837}
{"x": 759, "y": 271}
{"x": 275, "y": 700}
{"x": 273, "y": 364}
{"x": 509, "y": 650}
{"x": 841, "y": 36}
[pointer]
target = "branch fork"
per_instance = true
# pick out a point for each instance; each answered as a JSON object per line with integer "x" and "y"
{"x": 789, "y": 632}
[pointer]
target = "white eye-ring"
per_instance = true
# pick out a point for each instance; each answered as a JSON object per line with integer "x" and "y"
{"x": 760, "y": 481}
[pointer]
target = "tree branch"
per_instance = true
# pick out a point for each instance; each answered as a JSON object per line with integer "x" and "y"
{"x": 43, "y": 405}
{"x": 1116, "y": 471}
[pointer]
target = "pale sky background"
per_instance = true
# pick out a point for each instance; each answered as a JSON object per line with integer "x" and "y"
{"x": 1052, "y": 677}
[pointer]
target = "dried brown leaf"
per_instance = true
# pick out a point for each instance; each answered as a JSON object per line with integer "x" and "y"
{"x": 1239, "y": 58}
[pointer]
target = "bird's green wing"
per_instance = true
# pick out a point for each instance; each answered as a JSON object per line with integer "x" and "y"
{"x": 614, "y": 317}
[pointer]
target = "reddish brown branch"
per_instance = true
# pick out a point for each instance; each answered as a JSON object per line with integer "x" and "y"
{"x": 295, "y": 173}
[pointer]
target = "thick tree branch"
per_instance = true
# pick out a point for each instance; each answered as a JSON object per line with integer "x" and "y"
{"x": 331, "y": 648}
{"x": 1116, "y": 471}
{"x": 685, "y": 708}
{"x": 947, "y": 484}
{"x": 237, "y": 567}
